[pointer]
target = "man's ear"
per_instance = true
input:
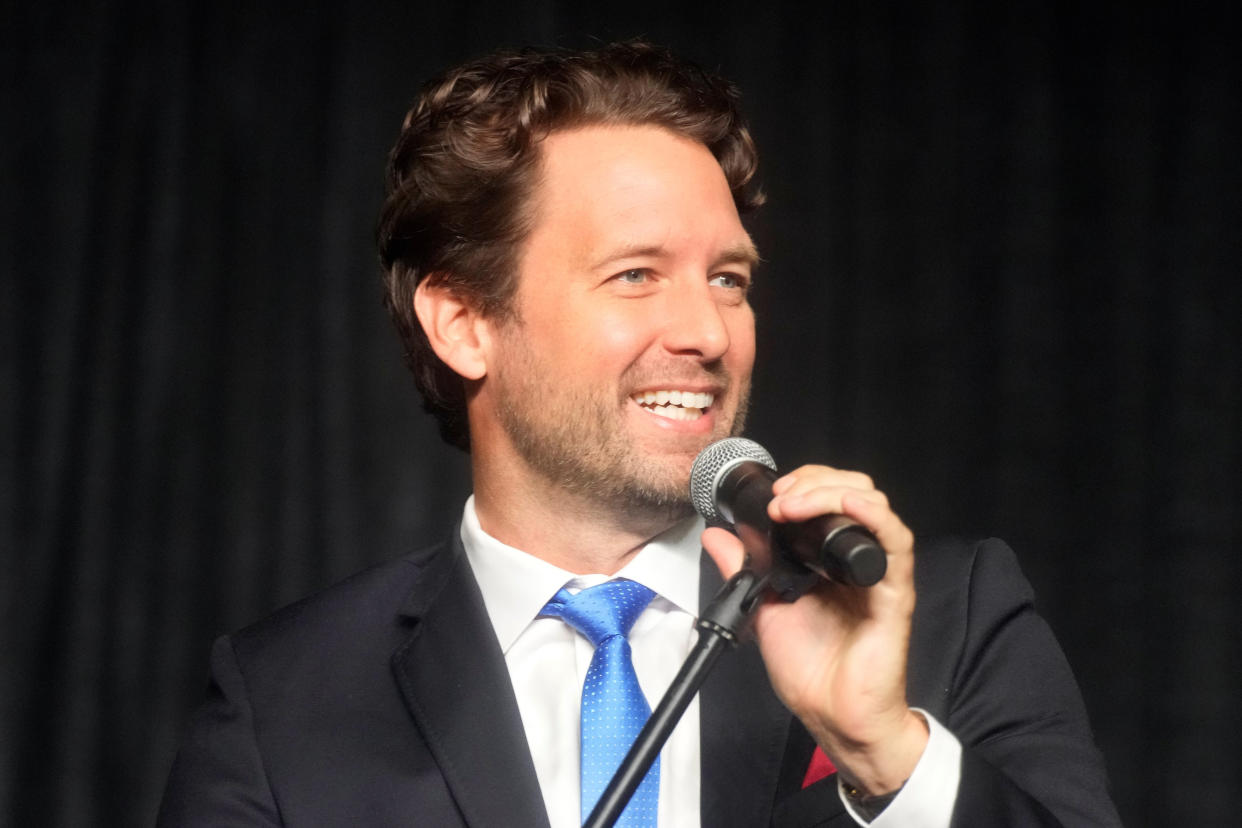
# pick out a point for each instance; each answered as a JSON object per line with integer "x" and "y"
{"x": 458, "y": 333}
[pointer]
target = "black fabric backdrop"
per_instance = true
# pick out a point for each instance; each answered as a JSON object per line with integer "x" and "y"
{"x": 1000, "y": 276}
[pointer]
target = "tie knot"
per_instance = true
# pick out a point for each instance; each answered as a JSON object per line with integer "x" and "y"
{"x": 602, "y": 611}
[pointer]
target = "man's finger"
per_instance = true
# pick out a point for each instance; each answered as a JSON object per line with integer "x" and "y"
{"x": 821, "y": 500}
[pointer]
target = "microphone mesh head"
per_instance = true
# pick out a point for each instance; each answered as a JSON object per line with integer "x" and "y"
{"x": 714, "y": 462}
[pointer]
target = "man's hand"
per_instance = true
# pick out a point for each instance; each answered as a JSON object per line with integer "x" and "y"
{"x": 837, "y": 656}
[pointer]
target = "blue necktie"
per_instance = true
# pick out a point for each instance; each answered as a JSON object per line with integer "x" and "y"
{"x": 614, "y": 709}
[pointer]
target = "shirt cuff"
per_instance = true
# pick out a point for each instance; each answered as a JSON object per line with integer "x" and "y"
{"x": 928, "y": 797}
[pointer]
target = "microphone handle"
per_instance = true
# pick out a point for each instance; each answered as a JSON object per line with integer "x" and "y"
{"x": 838, "y": 548}
{"x": 833, "y": 546}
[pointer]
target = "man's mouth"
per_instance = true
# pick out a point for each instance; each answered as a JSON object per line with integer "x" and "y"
{"x": 675, "y": 405}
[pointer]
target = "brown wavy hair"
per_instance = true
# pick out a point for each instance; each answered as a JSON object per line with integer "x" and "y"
{"x": 461, "y": 175}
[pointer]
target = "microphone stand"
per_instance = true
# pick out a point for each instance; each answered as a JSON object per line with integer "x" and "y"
{"x": 718, "y": 626}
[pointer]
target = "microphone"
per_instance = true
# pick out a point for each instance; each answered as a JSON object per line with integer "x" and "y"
{"x": 731, "y": 480}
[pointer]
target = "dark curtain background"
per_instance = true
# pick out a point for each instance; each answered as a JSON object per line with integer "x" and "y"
{"x": 1001, "y": 276}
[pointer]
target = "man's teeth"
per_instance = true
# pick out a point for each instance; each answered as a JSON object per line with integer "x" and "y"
{"x": 675, "y": 405}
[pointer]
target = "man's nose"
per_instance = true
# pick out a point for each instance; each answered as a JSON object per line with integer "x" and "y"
{"x": 695, "y": 325}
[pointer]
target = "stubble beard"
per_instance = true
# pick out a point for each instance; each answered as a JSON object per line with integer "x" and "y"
{"x": 578, "y": 441}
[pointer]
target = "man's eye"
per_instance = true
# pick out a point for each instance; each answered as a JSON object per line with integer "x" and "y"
{"x": 727, "y": 280}
{"x": 635, "y": 276}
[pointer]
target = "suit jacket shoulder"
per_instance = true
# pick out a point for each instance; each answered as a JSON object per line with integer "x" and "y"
{"x": 309, "y": 713}
{"x": 987, "y": 665}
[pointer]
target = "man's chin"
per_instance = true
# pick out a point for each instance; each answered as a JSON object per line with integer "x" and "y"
{"x": 663, "y": 483}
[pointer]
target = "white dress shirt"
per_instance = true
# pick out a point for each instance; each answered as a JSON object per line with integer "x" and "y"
{"x": 540, "y": 652}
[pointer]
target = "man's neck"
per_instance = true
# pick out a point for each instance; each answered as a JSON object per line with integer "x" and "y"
{"x": 568, "y": 529}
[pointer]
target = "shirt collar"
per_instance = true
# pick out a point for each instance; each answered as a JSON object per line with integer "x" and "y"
{"x": 516, "y": 585}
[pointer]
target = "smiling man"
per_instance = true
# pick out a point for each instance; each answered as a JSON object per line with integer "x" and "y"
{"x": 569, "y": 270}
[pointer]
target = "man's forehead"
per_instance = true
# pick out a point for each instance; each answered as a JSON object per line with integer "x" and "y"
{"x": 636, "y": 188}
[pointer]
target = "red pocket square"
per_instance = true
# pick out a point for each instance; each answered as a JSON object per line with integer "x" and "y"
{"x": 820, "y": 767}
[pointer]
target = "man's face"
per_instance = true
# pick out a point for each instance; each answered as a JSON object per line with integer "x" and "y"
{"x": 633, "y": 340}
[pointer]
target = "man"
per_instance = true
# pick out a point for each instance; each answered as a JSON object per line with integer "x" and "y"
{"x": 568, "y": 269}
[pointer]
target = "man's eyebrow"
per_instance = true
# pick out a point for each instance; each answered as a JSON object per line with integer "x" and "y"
{"x": 741, "y": 253}
{"x": 630, "y": 251}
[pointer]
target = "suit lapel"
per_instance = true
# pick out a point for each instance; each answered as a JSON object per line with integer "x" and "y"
{"x": 743, "y": 730}
{"x": 453, "y": 677}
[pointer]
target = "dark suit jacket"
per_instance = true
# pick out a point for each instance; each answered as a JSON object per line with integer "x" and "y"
{"x": 385, "y": 701}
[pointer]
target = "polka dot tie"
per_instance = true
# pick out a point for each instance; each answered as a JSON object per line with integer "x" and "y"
{"x": 614, "y": 709}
